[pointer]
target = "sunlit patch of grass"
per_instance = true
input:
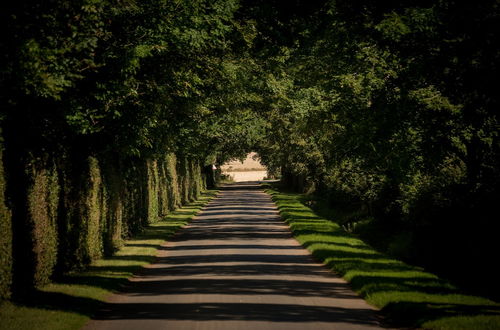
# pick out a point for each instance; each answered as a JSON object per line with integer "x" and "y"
{"x": 13, "y": 316}
{"x": 406, "y": 295}
{"x": 71, "y": 301}
{"x": 464, "y": 323}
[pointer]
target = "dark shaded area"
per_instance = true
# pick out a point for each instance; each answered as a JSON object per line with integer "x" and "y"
{"x": 244, "y": 188}
{"x": 239, "y": 221}
{"x": 231, "y": 246}
{"x": 390, "y": 276}
{"x": 402, "y": 311}
{"x": 62, "y": 302}
{"x": 249, "y": 234}
{"x": 240, "y": 311}
{"x": 216, "y": 206}
{"x": 447, "y": 243}
{"x": 237, "y": 213}
{"x": 241, "y": 287}
{"x": 231, "y": 258}
{"x": 249, "y": 269}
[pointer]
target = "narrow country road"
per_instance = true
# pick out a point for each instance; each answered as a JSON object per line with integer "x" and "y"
{"x": 236, "y": 266}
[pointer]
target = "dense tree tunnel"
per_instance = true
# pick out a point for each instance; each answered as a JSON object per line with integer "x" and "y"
{"x": 114, "y": 111}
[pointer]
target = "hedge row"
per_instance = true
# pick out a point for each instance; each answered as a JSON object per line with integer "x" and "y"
{"x": 5, "y": 236}
{"x": 72, "y": 209}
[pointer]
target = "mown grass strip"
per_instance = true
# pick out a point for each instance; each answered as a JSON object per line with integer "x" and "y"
{"x": 407, "y": 296}
{"x": 70, "y": 302}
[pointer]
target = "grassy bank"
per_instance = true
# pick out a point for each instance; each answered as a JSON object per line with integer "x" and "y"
{"x": 70, "y": 302}
{"x": 407, "y": 296}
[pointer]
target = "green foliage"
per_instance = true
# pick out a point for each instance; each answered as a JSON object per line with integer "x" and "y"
{"x": 197, "y": 182}
{"x": 93, "y": 213}
{"x": 163, "y": 198}
{"x": 153, "y": 190}
{"x": 387, "y": 108}
{"x": 6, "y": 237}
{"x": 172, "y": 181}
{"x": 113, "y": 229}
{"x": 56, "y": 43}
{"x": 88, "y": 221}
{"x": 72, "y": 300}
{"x": 111, "y": 93}
{"x": 406, "y": 295}
{"x": 43, "y": 202}
{"x": 135, "y": 208}
{"x": 184, "y": 179}
{"x": 394, "y": 116}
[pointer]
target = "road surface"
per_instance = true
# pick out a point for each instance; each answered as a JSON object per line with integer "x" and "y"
{"x": 236, "y": 267}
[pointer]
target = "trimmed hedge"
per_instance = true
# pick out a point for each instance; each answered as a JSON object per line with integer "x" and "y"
{"x": 5, "y": 236}
{"x": 170, "y": 164}
{"x": 93, "y": 214}
{"x": 43, "y": 199}
{"x": 70, "y": 207}
{"x": 74, "y": 208}
{"x": 113, "y": 230}
{"x": 163, "y": 198}
{"x": 183, "y": 181}
{"x": 196, "y": 179}
{"x": 135, "y": 212}
{"x": 152, "y": 190}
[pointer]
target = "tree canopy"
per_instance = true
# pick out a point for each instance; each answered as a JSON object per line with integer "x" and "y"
{"x": 389, "y": 107}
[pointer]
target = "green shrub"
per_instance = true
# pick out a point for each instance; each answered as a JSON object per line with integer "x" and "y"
{"x": 184, "y": 178}
{"x": 43, "y": 200}
{"x": 85, "y": 214}
{"x": 112, "y": 231}
{"x": 93, "y": 212}
{"x": 200, "y": 180}
{"x": 407, "y": 296}
{"x": 5, "y": 237}
{"x": 152, "y": 190}
{"x": 134, "y": 204}
{"x": 74, "y": 169}
{"x": 174, "y": 200}
{"x": 90, "y": 206}
{"x": 402, "y": 246}
{"x": 163, "y": 198}
{"x": 195, "y": 184}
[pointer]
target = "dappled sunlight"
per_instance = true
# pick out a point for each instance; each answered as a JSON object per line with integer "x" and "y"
{"x": 383, "y": 116}
{"x": 407, "y": 295}
{"x": 236, "y": 262}
{"x": 77, "y": 295}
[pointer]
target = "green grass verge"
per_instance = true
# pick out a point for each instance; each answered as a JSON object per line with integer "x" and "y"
{"x": 69, "y": 303}
{"x": 407, "y": 296}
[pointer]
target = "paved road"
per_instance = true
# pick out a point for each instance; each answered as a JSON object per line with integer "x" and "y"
{"x": 236, "y": 267}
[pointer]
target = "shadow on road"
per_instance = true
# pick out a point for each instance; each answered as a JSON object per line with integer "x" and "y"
{"x": 237, "y": 261}
{"x": 240, "y": 311}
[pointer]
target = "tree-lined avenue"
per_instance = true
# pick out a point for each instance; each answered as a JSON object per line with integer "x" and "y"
{"x": 236, "y": 266}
